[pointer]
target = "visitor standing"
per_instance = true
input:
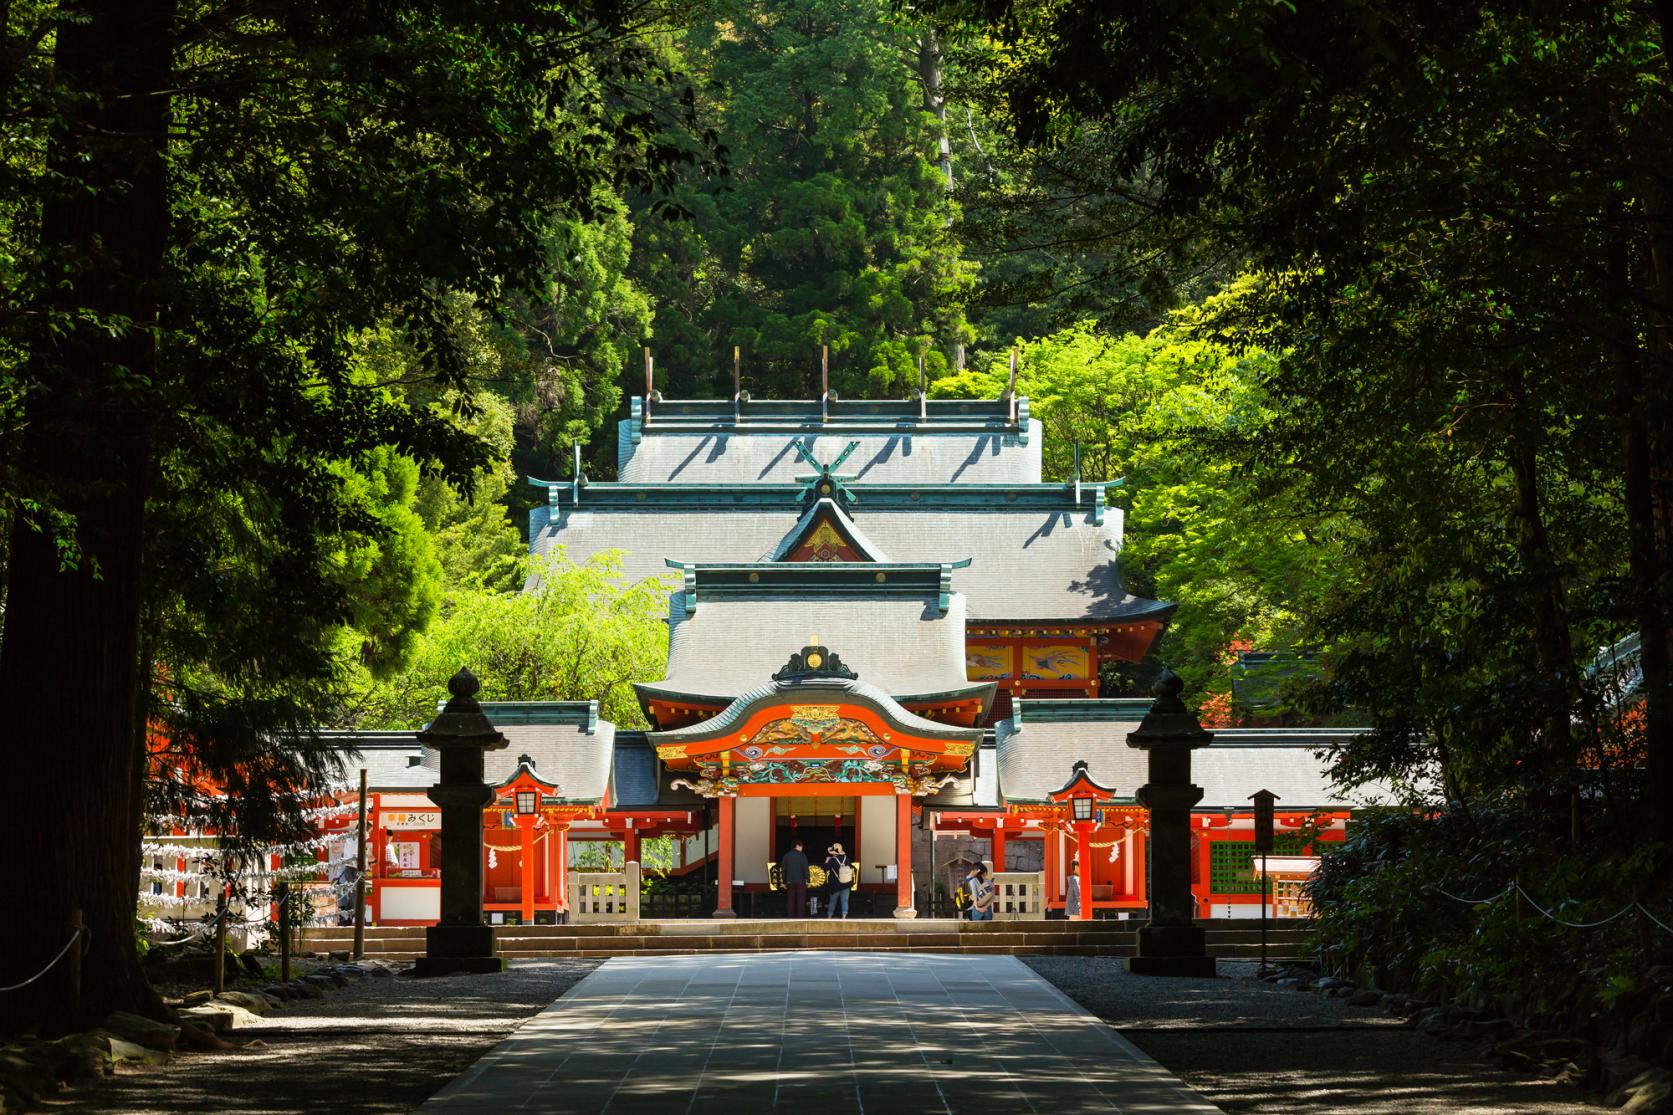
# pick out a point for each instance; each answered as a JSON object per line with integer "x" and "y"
{"x": 981, "y": 893}
{"x": 794, "y": 868}
{"x": 1073, "y": 905}
{"x": 840, "y": 874}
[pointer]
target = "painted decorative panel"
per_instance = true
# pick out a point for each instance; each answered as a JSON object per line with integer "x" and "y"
{"x": 1055, "y": 661}
{"x": 824, "y": 543}
{"x": 810, "y": 724}
{"x": 988, "y": 661}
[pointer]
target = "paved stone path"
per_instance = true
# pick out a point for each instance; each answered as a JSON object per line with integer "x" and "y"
{"x": 814, "y": 1033}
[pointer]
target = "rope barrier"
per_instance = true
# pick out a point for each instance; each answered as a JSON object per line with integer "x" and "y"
{"x": 1471, "y": 901}
{"x": 1518, "y": 888}
{"x": 51, "y": 964}
{"x": 1645, "y": 911}
{"x": 1574, "y": 924}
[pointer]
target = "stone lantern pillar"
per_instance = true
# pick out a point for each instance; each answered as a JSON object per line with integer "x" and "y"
{"x": 461, "y": 732}
{"x": 1170, "y": 943}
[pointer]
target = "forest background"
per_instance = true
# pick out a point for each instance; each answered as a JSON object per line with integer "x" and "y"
{"x": 1368, "y": 311}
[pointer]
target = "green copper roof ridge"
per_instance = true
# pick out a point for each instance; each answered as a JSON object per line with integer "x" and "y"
{"x": 791, "y": 566}
{"x": 581, "y": 714}
{"x": 1066, "y": 710}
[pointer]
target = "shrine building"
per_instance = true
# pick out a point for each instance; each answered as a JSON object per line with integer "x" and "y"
{"x": 885, "y": 630}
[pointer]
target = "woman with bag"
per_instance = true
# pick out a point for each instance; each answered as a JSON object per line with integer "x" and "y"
{"x": 982, "y": 895}
{"x": 840, "y": 873}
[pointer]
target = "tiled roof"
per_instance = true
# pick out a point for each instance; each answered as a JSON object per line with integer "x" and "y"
{"x": 393, "y": 760}
{"x": 1037, "y": 755}
{"x": 1026, "y": 564}
{"x": 903, "y": 645}
{"x": 905, "y": 457}
{"x": 634, "y": 780}
{"x": 567, "y": 742}
{"x": 576, "y": 760}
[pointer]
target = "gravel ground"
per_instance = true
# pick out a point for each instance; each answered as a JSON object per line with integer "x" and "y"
{"x": 376, "y": 1046}
{"x": 1249, "y": 1046}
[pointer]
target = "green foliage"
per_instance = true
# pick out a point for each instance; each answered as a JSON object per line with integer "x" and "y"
{"x": 1420, "y": 902}
{"x": 1155, "y": 412}
{"x": 580, "y": 633}
{"x": 834, "y": 226}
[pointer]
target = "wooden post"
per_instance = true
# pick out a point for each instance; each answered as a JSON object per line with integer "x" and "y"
{"x": 1083, "y": 852}
{"x": 360, "y": 874}
{"x": 221, "y": 940}
{"x": 1011, "y": 390}
{"x": 649, "y": 379}
{"x": 284, "y": 932}
{"x": 824, "y": 381}
{"x": 526, "y": 869}
{"x": 923, "y": 385}
{"x": 903, "y": 857}
{"x": 73, "y": 960}
{"x": 723, "y": 864}
{"x": 561, "y": 837}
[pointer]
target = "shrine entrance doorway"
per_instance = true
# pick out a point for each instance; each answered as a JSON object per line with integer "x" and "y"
{"x": 818, "y": 822}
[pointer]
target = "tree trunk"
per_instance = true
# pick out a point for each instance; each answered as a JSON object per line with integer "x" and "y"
{"x": 1553, "y": 637}
{"x": 70, "y": 802}
{"x": 935, "y": 101}
{"x": 1646, "y": 445}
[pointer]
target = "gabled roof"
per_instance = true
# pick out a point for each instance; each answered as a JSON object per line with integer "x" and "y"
{"x": 716, "y": 441}
{"x": 896, "y": 634}
{"x": 1036, "y": 754}
{"x": 1037, "y": 553}
{"x": 826, "y": 511}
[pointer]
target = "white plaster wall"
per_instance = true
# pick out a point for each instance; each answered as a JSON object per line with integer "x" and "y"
{"x": 877, "y": 835}
{"x": 752, "y": 819}
{"x": 411, "y": 903}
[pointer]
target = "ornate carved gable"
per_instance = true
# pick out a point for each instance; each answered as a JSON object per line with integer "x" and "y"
{"x": 826, "y": 538}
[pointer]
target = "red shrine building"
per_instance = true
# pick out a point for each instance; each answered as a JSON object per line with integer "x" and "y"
{"x": 885, "y": 632}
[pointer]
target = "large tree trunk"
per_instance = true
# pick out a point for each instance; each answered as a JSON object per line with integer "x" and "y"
{"x": 929, "y": 78}
{"x": 69, "y": 804}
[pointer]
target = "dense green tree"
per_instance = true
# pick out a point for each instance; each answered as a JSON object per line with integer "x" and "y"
{"x": 1460, "y": 212}
{"x": 834, "y": 225}
{"x": 580, "y": 633}
{"x": 205, "y": 208}
{"x": 1153, "y": 412}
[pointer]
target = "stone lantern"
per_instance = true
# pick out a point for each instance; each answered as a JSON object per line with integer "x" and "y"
{"x": 1170, "y": 943}
{"x": 461, "y": 732}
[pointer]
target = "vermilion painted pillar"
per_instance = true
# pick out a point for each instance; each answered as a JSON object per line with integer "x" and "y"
{"x": 630, "y": 846}
{"x": 1141, "y": 886}
{"x": 560, "y": 834}
{"x": 723, "y": 861}
{"x": 903, "y": 857}
{"x": 525, "y": 888}
{"x": 1083, "y": 852}
{"x": 1053, "y": 892}
{"x": 998, "y": 846}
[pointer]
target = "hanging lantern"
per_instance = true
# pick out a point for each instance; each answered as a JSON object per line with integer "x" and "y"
{"x": 792, "y": 822}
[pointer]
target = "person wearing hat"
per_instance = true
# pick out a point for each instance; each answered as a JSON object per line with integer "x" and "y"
{"x": 840, "y": 874}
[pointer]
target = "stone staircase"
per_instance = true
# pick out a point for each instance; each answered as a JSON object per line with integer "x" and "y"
{"x": 1238, "y": 940}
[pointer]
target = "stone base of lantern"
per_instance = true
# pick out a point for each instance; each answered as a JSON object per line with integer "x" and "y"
{"x": 450, "y": 949}
{"x": 1172, "y": 951}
